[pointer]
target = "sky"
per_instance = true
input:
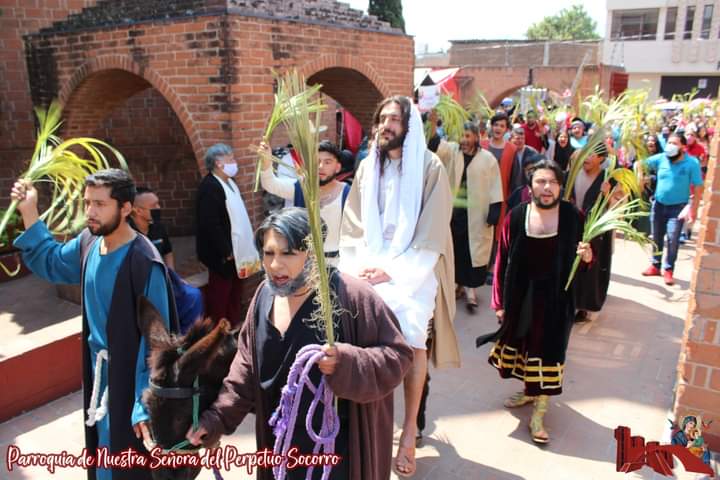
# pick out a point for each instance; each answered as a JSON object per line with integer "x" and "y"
{"x": 434, "y": 22}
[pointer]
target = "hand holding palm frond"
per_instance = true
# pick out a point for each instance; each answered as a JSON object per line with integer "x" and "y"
{"x": 56, "y": 162}
{"x": 301, "y": 117}
{"x": 606, "y": 216}
{"x": 286, "y": 103}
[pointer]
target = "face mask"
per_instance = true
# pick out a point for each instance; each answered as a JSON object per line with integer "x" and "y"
{"x": 155, "y": 215}
{"x": 671, "y": 150}
{"x": 230, "y": 169}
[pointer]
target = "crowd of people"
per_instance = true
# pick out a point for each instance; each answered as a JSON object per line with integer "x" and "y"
{"x": 421, "y": 224}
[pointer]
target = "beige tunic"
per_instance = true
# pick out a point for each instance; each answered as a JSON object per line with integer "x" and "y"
{"x": 484, "y": 187}
{"x": 432, "y": 233}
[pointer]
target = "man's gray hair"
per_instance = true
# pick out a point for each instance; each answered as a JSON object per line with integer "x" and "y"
{"x": 213, "y": 153}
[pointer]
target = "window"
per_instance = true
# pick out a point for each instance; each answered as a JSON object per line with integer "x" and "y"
{"x": 706, "y": 21}
{"x": 689, "y": 20}
{"x": 635, "y": 24}
{"x": 670, "y": 23}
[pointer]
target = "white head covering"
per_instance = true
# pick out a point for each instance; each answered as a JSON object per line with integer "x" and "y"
{"x": 404, "y": 202}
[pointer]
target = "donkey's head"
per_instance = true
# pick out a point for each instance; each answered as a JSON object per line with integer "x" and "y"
{"x": 181, "y": 367}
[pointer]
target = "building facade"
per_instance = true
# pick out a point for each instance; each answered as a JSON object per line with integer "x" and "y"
{"x": 669, "y": 46}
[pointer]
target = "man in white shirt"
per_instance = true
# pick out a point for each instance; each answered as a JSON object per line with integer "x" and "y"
{"x": 396, "y": 235}
{"x": 333, "y": 193}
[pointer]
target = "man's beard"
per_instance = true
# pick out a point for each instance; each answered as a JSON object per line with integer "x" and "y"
{"x": 392, "y": 144}
{"x": 537, "y": 200}
{"x": 327, "y": 180}
{"x": 292, "y": 285}
{"x": 106, "y": 228}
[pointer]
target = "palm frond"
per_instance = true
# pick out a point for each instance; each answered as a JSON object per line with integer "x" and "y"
{"x": 453, "y": 116}
{"x": 605, "y": 218}
{"x": 286, "y": 103}
{"x": 480, "y": 107}
{"x": 301, "y": 117}
{"x": 58, "y": 162}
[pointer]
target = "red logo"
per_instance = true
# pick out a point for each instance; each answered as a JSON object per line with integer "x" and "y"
{"x": 633, "y": 454}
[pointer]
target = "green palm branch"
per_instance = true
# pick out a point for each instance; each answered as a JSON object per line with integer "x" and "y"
{"x": 480, "y": 107}
{"x": 62, "y": 165}
{"x": 453, "y": 116}
{"x": 286, "y": 103}
{"x": 301, "y": 117}
{"x": 605, "y": 218}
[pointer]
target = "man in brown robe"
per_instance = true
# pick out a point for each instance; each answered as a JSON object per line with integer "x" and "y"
{"x": 368, "y": 360}
{"x": 396, "y": 236}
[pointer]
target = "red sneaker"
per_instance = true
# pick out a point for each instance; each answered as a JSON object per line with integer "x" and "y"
{"x": 651, "y": 271}
{"x": 667, "y": 276}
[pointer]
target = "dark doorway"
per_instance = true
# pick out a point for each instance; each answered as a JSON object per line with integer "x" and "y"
{"x": 707, "y": 86}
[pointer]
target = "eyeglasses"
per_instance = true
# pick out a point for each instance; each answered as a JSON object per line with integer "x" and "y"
{"x": 543, "y": 183}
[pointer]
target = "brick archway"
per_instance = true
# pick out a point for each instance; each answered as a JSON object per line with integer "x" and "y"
{"x": 354, "y": 84}
{"x": 103, "y": 83}
{"x": 507, "y": 92}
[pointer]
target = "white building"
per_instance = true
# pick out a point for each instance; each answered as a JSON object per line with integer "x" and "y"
{"x": 670, "y": 46}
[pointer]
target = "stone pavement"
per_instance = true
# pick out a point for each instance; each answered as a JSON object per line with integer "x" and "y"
{"x": 620, "y": 371}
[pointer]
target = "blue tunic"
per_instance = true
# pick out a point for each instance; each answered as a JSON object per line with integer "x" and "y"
{"x": 60, "y": 263}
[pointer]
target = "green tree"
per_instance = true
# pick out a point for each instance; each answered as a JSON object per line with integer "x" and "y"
{"x": 389, "y": 11}
{"x": 572, "y": 23}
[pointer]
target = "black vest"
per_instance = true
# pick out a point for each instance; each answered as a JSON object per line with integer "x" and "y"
{"x": 123, "y": 335}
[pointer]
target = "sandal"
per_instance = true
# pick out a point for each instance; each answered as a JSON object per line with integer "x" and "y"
{"x": 404, "y": 465}
{"x": 517, "y": 400}
{"x": 537, "y": 429}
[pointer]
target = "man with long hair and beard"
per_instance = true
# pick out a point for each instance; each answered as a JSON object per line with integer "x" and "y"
{"x": 114, "y": 265}
{"x": 367, "y": 361}
{"x": 537, "y": 246}
{"x": 396, "y": 236}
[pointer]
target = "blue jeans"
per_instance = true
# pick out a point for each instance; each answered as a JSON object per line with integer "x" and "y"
{"x": 664, "y": 220}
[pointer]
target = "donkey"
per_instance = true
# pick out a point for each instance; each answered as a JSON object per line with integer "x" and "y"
{"x": 181, "y": 367}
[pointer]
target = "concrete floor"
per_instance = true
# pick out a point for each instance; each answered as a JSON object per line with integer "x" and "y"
{"x": 620, "y": 371}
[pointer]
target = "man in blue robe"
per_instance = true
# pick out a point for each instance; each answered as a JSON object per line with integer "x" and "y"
{"x": 114, "y": 265}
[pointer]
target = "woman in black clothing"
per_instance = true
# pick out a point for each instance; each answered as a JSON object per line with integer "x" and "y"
{"x": 563, "y": 150}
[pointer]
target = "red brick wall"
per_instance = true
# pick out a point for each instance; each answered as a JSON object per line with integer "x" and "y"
{"x": 19, "y": 17}
{"x": 499, "y": 82}
{"x": 698, "y": 381}
{"x": 159, "y": 154}
{"x": 215, "y": 73}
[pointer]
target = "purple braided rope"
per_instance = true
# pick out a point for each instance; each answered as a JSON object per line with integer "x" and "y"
{"x": 284, "y": 418}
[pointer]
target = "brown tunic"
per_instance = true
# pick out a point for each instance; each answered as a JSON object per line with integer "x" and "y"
{"x": 370, "y": 365}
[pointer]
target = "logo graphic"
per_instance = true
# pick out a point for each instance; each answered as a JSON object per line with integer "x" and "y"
{"x": 687, "y": 445}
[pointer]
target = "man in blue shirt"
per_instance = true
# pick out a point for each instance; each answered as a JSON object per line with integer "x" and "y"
{"x": 676, "y": 173}
{"x": 114, "y": 266}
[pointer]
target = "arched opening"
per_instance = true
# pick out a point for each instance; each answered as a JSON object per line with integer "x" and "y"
{"x": 128, "y": 112}
{"x": 351, "y": 89}
{"x": 343, "y": 90}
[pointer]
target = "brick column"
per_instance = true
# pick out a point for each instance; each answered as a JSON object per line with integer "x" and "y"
{"x": 698, "y": 381}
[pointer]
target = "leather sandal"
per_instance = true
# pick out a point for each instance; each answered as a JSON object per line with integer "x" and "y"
{"x": 537, "y": 429}
{"x": 517, "y": 400}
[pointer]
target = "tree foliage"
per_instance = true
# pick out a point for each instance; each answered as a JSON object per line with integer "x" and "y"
{"x": 389, "y": 11}
{"x": 572, "y": 23}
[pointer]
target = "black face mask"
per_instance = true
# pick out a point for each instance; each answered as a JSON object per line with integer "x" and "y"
{"x": 155, "y": 215}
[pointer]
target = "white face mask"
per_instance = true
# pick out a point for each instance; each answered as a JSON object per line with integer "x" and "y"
{"x": 671, "y": 150}
{"x": 230, "y": 169}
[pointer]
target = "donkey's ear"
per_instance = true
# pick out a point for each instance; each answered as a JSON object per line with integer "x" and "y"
{"x": 151, "y": 323}
{"x": 202, "y": 352}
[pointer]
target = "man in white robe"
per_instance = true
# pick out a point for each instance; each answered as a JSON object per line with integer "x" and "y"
{"x": 396, "y": 236}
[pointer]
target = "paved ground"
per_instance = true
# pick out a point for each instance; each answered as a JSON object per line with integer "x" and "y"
{"x": 620, "y": 371}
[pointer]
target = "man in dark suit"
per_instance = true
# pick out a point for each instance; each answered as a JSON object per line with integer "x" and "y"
{"x": 224, "y": 236}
